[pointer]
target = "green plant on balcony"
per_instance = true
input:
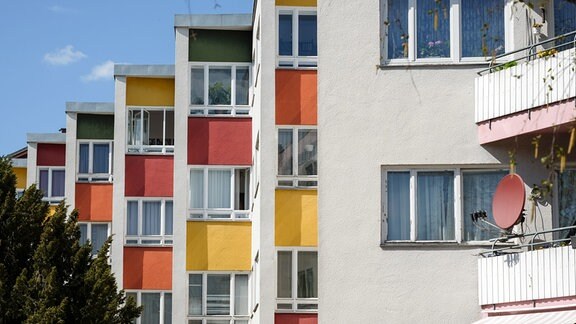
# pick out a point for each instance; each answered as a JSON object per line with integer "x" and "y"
{"x": 505, "y": 66}
{"x": 218, "y": 94}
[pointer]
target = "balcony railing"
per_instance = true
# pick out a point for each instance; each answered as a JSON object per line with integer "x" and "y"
{"x": 534, "y": 271}
{"x": 530, "y": 77}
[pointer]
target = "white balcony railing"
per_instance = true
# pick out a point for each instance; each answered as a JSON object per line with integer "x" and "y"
{"x": 536, "y": 79}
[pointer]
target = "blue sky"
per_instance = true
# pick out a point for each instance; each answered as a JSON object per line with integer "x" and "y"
{"x": 52, "y": 52}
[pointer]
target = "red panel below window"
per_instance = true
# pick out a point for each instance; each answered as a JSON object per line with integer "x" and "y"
{"x": 51, "y": 155}
{"x": 296, "y": 318}
{"x": 149, "y": 176}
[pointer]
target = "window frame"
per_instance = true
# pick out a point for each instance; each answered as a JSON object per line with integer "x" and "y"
{"x": 458, "y": 185}
{"x": 231, "y": 316}
{"x": 89, "y": 230}
{"x": 455, "y": 37}
{"x": 146, "y": 291}
{"x": 149, "y": 149}
{"x": 235, "y": 215}
{"x": 91, "y": 176}
{"x": 234, "y": 110}
{"x": 48, "y": 196}
{"x": 294, "y": 301}
{"x": 295, "y": 61}
{"x": 282, "y": 181}
{"x": 138, "y": 240}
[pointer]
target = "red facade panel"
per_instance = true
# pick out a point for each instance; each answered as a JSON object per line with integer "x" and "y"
{"x": 149, "y": 176}
{"x": 148, "y": 268}
{"x": 51, "y": 155}
{"x": 219, "y": 141}
{"x": 296, "y": 318}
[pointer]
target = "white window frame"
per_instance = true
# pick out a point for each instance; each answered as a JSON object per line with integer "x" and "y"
{"x": 139, "y": 301}
{"x": 48, "y": 196}
{"x": 219, "y": 110}
{"x": 140, "y": 239}
{"x": 91, "y": 176}
{"x": 295, "y": 180}
{"x": 455, "y": 36}
{"x": 149, "y": 149}
{"x": 294, "y": 61}
{"x": 232, "y": 317}
{"x": 294, "y": 301}
{"x": 237, "y": 215}
{"x": 89, "y": 228}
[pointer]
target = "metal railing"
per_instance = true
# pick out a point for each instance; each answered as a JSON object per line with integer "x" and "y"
{"x": 529, "y": 53}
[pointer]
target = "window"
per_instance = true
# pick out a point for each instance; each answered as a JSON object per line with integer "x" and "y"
{"x": 430, "y": 30}
{"x": 149, "y": 221}
{"x": 156, "y": 306}
{"x": 564, "y": 17}
{"x": 566, "y": 201}
{"x": 218, "y": 298}
{"x": 297, "y": 37}
{"x": 94, "y": 161}
{"x": 150, "y": 130}
{"x": 297, "y": 157}
{"x": 422, "y": 205}
{"x": 95, "y": 233}
{"x": 220, "y": 89}
{"x": 297, "y": 280}
{"x": 51, "y": 182}
{"x": 219, "y": 193}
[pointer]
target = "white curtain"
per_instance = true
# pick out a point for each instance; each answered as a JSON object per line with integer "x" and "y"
{"x": 43, "y": 182}
{"x": 241, "y": 295}
{"x": 307, "y": 274}
{"x": 285, "y": 152}
{"x": 83, "y": 233}
{"x": 151, "y": 217}
{"x": 284, "y": 274}
{"x": 398, "y": 197}
{"x": 151, "y": 308}
{"x": 167, "y": 308}
{"x": 478, "y": 191}
{"x": 219, "y": 188}
{"x": 435, "y": 205}
{"x": 84, "y": 158}
{"x": 100, "y": 158}
{"x": 196, "y": 188}
{"x": 58, "y": 183}
{"x": 195, "y": 294}
{"x": 132, "y": 218}
{"x": 168, "y": 217}
{"x": 218, "y": 294}
{"x": 99, "y": 235}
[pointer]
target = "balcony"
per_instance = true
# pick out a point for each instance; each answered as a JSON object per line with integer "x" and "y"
{"x": 528, "y": 90}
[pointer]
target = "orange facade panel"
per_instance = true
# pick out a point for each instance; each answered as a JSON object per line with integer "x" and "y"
{"x": 148, "y": 268}
{"x": 296, "y": 97}
{"x": 94, "y": 201}
{"x": 149, "y": 176}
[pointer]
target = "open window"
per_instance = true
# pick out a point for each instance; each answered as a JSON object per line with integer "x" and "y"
{"x": 150, "y": 130}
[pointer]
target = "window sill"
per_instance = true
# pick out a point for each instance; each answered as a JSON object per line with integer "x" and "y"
{"x": 404, "y": 64}
{"x": 437, "y": 244}
{"x": 240, "y": 220}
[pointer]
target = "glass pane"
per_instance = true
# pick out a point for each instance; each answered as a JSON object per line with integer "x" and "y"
{"x": 285, "y": 35}
{"x": 196, "y": 188}
{"x": 132, "y": 218}
{"x": 83, "y": 158}
{"x": 135, "y": 124}
{"x": 219, "y": 188}
{"x": 241, "y": 295}
{"x": 285, "y": 152}
{"x": 242, "y": 85}
{"x": 241, "y": 190}
{"x": 220, "y": 86}
{"x": 398, "y": 198}
{"x": 83, "y": 233}
{"x": 151, "y": 217}
{"x": 433, "y": 23}
{"x": 483, "y": 28}
{"x": 156, "y": 128}
{"x": 435, "y": 205}
{"x": 218, "y": 295}
{"x": 478, "y": 191}
{"x": 564, "y": 17}
{"x": 169, "y": 211}
{"x": 99, "y": 235}
{"x": 215, "y": 321}
{"x": 167, "y": 308}
{"x": 169, "y": 132}
{"x": 195, "y": 294}
{"x": 307, "y": 35}
{"x": 307, "y": 275}
{"x": 567, "y": 201}
{"x": 151, "y": 308}
{"x": 307, "y": 152}
{"x": 43, "y": 182}
{"x": 58, "y": 183}
{"x": 284, "y": 274}
{"x": 101, "y": 158}
{"x": 397, "y": 29}
{"x": 197, "y": 86}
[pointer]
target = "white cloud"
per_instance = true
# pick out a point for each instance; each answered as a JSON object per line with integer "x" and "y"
{"x": 100, "y": 72}
{"x": 63, "y": 56}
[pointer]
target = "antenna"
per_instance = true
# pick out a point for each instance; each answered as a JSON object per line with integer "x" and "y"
{"x": 508, "y": 202}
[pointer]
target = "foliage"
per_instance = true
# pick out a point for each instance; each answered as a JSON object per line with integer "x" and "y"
{"x": 45, "y": 274}
{"x": 219, "y": 94}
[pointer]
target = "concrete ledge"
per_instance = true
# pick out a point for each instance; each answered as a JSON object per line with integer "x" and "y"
{"x": 166, "y": 71}
{"x": 90, "y": 107}
{"x": 229, "y": 22}
{"x": 55, "y": 138}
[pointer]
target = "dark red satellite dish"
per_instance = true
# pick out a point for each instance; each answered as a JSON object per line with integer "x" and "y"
{"x": 508, "y": 202}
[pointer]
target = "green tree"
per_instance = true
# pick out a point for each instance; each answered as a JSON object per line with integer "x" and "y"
{"x": 46, "y": 275}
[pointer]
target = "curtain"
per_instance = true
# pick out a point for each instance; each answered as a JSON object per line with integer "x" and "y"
{"x": 168, "y": 216}
{"x": 285, "y": 152}
{"x": 435, "y": 205}
{"x": 564, "y": 17}
{"x": 197, "y": 86}
{"x": 307, "y": 152}
{"x": 241, "y": 295}
{"x": 284, "y": 275}
{"x": 285, "y": 35}
{"x": 135, "y": 127}
{"x": 101, "y": 158}
{"x": 84, "y": 158}
{"x": 567, "y": 201}
{"x": 397, "y": 29}
{"x": 43, "y": 182}
{"x": 478, "y": 191}
{"x": 218, "y": 294}
{"x": 132, "y": 218}
{"x": 219, "y": 188}
{"x": 151, "y": 308}
{"x": 99, "y": 234}
{"x": 307, "y": 35}
{"x": 398, "y": 197}
{"x": 151, "y": 217}
{"x": 58, "y": 180}
{"x": 307, "y": 275}
{"x": 196, "y": 188}
{"x": 83, "y": 233}
{"x": 242, "y": 85}
{"x": 482, "y": 27}
{"x": 195, "y": 294}
{"x": 167, "y": 308}
{"x": 433, "y": 28}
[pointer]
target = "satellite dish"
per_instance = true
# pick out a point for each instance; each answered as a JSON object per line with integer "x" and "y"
{"x": 508, "y": 202}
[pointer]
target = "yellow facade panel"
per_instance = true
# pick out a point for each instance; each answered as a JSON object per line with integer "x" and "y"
{"x": 149, "y": 92}
{"x": 218, "y": 246}
{"x": 296, "y": 222}
{"x": 20, "y": 178}
{"x": 296, "y": 3}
